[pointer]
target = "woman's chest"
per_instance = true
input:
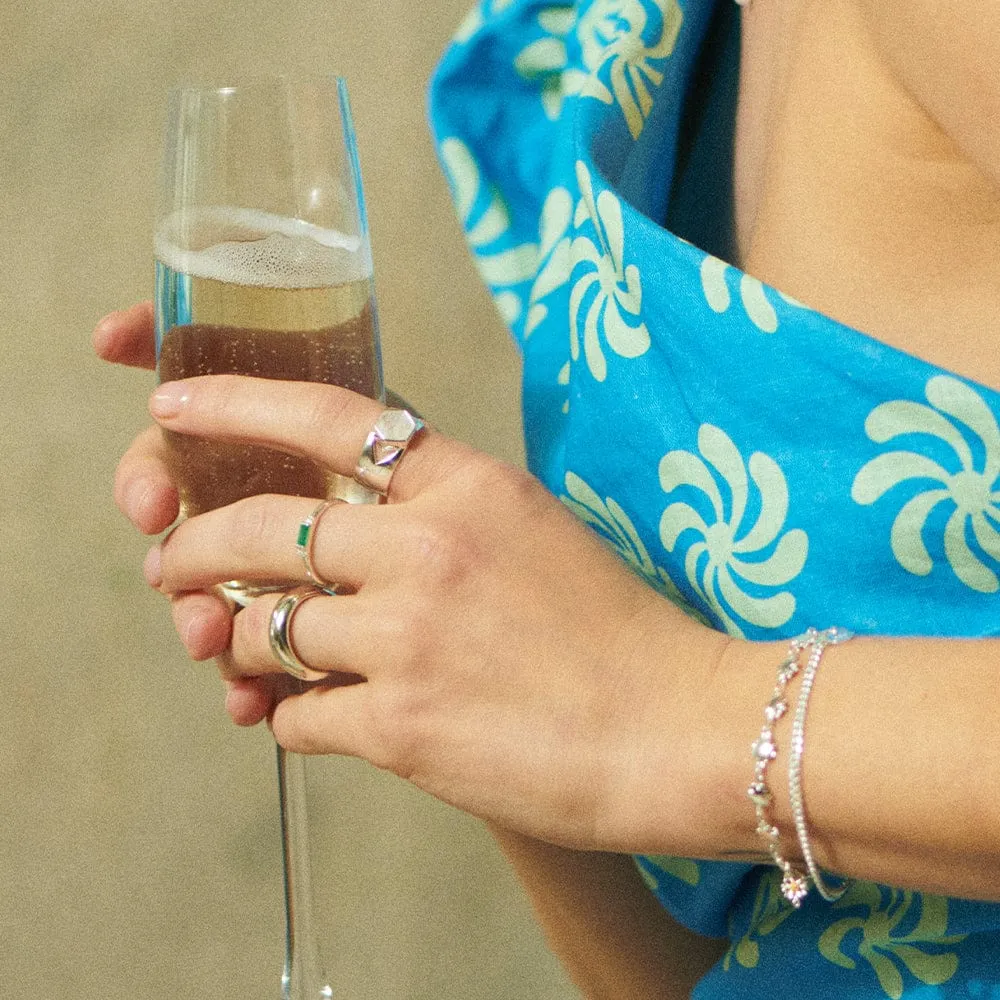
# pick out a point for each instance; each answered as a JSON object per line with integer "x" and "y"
{"x": 850, "y": 198}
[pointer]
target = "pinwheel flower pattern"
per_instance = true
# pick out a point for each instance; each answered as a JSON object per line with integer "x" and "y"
{"x": 968, "y": 485}
{"x": 610, "y": 291}
{"x": 883, "y": 942}
{"x": 611, "y": 521}
{"x": 755, "y": 303}
{"x": 614, "y": 33}
{"x": 730, "y": 552}
{"x": 770, "y": 910}
{"x": 486, "y": 219}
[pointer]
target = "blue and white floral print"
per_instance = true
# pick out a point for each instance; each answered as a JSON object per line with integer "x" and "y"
{"x": 757, "y": 463}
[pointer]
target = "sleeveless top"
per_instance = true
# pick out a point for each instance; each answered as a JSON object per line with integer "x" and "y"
{"x": 757, "y": 462}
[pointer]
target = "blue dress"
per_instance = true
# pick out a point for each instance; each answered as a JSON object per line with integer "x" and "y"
{"x": 757, "y": 462}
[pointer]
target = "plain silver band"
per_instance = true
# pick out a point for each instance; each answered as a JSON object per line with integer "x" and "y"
{"x": 279, "y": 632}
{"x": 311, "y": 526}
{"x": 830, "y": 637}
{"x": 376, "y": 474}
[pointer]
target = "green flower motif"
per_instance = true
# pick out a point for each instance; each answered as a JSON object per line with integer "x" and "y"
{"x": 770, "y": 910}
{"x": 886, "y": 950}
{"x": 684, "y": 869}
{"x": 612, "y": 33}
{"x": 971, "y": 491}
{"x": 614, "y": 524}
{"x": 618, "y": 298}
{"x": 504, "y": 269}
{"x": 729, "y": 551}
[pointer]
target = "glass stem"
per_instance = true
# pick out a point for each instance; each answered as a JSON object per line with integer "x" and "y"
{"x": 303, "y": 977}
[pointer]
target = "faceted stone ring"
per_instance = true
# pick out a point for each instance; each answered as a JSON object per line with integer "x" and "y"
{"x": 384, "y": 447}
{"x": 279, "y": 633}
{"x": 304, "y": 543}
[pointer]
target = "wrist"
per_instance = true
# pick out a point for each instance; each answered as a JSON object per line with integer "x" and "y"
{"x": 681, "y": 770}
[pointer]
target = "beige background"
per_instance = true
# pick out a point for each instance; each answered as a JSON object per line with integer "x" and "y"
{"x": 138, "y": 831}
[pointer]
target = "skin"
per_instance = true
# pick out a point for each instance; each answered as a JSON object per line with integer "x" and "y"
{"x": 867, "y": 186}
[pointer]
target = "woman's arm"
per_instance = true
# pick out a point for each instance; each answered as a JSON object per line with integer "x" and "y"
{"x": 518, "y": 670}
{"x": 901, "y": 773}
{"x": 604, "y": 925}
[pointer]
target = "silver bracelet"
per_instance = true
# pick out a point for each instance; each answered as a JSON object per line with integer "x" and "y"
{"x": 795, "y": 884}
{"x": 829, "y": 637}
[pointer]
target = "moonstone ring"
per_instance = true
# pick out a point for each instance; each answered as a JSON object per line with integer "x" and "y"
{"x": 384, "y": 447}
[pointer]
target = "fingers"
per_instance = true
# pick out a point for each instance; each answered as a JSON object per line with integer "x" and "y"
{"x": 204, "y": 622}
{"x": 143, "y": 490}
{"x": 249, "y": 700}
{"x": 126, "y": 337}
{"x": 325, "y": 720}
{"x": 256, "y": 539}
{"x": 339, "y": 636}
{"x": 321, "y": 422}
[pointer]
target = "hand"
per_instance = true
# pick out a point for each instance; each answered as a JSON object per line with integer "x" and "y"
{"x": 502, "y": 657}
{"x": 146, "y": 495}
{"x": 497, "y": 637}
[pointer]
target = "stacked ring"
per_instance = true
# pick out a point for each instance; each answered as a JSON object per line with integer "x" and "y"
{"x": 279, "y": 633}
{"x": 384, "y": 447}
{"x": 304, "y": 543}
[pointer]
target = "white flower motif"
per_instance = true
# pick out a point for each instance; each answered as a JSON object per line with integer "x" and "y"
{"x": 545, "y": 60}
{"x": 553, "y": 252}
{"x": 752, "y": 294}
{"x": 474, "y": 19}
{"x": 618, "y": 286}
{"x": 611, "y": 33}
{"x": 972, "y": 490}
{"x": 501, "y": 269}
{"x": 616, "y": 526}
{"x": 728, "y": 552}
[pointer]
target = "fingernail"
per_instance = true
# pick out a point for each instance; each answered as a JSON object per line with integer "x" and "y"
{"x": 151, "y": 568}
{"x": 101, "y": 334}
{"x": 169, "y": 399}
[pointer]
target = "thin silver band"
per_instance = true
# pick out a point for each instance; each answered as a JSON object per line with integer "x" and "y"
{"x": 830, "y": 637}
{"x": 304, "y": 543}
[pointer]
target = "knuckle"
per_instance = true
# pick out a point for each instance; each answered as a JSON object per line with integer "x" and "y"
{"x": 328, "y": 405}
{"x": 250, "y": 526}
{"x": 397, "y": 728}
{"x": 446, "y": 554}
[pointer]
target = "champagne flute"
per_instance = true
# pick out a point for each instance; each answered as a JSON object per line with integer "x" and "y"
{"x": 263, "y": 268}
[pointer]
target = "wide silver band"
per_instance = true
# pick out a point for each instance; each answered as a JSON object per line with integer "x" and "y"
{"x": 384, "y": 447}
{"x": 304, "y": 543}
{"x": 279, "y": 633}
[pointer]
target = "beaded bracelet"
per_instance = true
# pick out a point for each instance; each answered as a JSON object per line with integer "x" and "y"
{"x": 795, "y": 884}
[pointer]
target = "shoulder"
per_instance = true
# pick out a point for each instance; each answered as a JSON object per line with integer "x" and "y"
{"x": 944, "y": 52}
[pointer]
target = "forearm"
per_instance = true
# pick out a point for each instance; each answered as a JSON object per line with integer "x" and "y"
{"x": 901, "y": 770}
{"x": 604, "y": 925}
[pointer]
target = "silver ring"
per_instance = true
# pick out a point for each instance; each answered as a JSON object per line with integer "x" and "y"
{"x": 279, "y": 633}
{"x": 304, "y": 543}
{"x": 384, "y": 447}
